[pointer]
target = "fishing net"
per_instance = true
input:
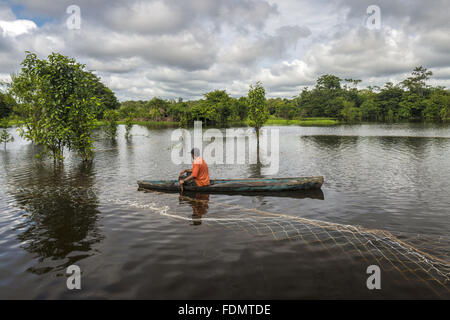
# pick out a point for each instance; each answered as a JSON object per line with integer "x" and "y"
{"x": 391, "y": 254}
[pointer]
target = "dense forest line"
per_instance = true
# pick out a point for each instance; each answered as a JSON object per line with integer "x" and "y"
{"x": 409, "y": 100}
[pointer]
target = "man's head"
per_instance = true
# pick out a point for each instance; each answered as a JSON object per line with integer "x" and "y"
{"x": 195, "y": 152}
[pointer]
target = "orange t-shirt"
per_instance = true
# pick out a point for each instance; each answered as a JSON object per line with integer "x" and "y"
{"x": 200, "y": 172}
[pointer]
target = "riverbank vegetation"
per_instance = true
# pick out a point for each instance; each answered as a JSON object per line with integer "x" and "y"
{"x": 330, "y": 101}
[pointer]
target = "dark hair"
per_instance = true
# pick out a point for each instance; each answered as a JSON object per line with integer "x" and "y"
{"x": 195, "y": 152}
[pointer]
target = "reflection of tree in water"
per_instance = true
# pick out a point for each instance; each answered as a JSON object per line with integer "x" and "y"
{"x": 331, "y": 142}
{"x": 199, "y": 204}
{"x": 413, "y": 144}
{"x": 61, "y": 214}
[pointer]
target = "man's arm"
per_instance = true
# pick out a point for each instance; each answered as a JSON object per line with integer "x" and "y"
{"x": 185, "y": 171}
{"x": 193, "y": 173}
{"x": 187, "y": 179}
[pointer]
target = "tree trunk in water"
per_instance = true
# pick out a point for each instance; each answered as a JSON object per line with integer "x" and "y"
{"x": 257, "y": 146}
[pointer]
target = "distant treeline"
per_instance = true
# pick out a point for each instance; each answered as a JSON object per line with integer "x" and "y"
{"x": 410, "y": 100}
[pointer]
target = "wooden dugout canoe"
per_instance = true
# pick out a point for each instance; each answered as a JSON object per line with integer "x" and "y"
{"x": 251, "y": 185}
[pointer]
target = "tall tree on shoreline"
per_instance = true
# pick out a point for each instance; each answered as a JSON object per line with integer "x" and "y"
{"x": 417, "y": 82}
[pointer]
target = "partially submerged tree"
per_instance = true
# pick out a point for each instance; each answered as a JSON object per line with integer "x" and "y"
{"x": 128, "y": 127}
{"x": 257, "y": 109}
{"x": 111, "y": 117}
{"x": 57, "y": 103}
{"x": 5, "y": 136}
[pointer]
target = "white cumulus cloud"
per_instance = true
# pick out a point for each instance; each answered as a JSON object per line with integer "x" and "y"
{"x": 16, "y": 27}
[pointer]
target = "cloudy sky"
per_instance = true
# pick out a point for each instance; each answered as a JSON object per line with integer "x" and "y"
{"x": 184, "y": 48}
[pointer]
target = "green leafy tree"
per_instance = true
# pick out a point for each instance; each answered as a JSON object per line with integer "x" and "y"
{"x": 305, "y": 104}
{"x": 328, "y": 82}
{"x": 158, "y": 108}
{"x": 370, "y": 110}
{"x": 179, "y": 111}
{"x": 445, "y": 111}
{"x": 139, "y": 109}
{"x": 283, "y": 108}
{"x": 412, "y": 106}
{"x": 334, "y": 106}
{"x": 156, "y": 114}
{"x": 257, "y": 109}
{"x": 353, "y": 82}
{"x": 216, "y": 108}
{"x": 199, "y": 111}
{"x": 351, "y": 92}
{"x": 7, "y": 105}
{"x": 5, "y": 136}
{"x": 350, "y": 113}
{"x": 127, "y": 110}
{"x": 56, "y": 103}
{"x": 128, "y": 114}
{"x": 326, "y": 99}
{"x": 110, "y": 128}
{"x": 106, "y": 95}
{"x": 417, "y": 82}
{"x": 437, "y": 105}
{"x": 388, "y": 100}
{"x": 257, "y": 112}
{"x": 218, "y": 105}
{"x": 128, "y": 126}
{"x": 239, "y": 109}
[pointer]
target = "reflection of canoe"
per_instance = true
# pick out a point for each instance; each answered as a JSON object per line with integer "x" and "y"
{"x": 304, "y": 194}
{"x": 239, "y": 185}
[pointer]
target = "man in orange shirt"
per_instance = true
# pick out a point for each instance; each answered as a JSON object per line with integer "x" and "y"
{"x": 199, "y": 172}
